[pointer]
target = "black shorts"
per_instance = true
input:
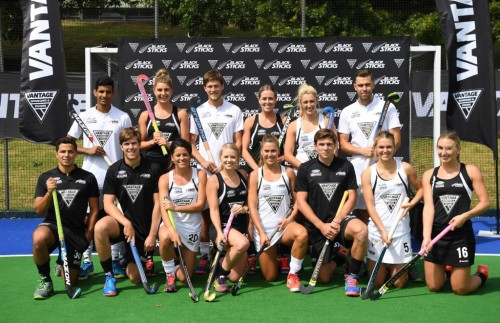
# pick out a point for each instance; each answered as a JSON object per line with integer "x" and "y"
{"x": 212, "y": 233}
{"x": 332, "y": 252}
{"x": 457, "y": 249}
{"x": 75, "y": 241}
{"x": 139, "y": 244}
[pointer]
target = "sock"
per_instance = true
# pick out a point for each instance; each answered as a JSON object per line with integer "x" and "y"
{"x": 87, "y": 254}
{"x": 295, "y": 265}
{"x": 221, "y": 271}
{"x": 482, "y": 277}
{"x": 117, "y": 250}
{"x": 355, "y": 266}
{"x": 107, "y": 267}
{"x": 168, "y": 266}
{"x": 205, "y": 248}
{"x": 44, "y": 271}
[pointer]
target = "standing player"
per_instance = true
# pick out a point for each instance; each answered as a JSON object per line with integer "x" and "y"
{"x": 447, "y": 196}
{"x": 173, "y": 122}
{"x": 77, "y": 189}
{"x": 299, "y": 144}
{"x": 185, "y": 187}
{"x": 222, "y": 123}
{"x": 226, "y": 194}
{"x": 270, "y": 196}
{"x": 320, "y": 185}
{"x": 385, "y": 185}
{"x": 105, "y": 121}
{"x": 133, "y": 183}
{"x": 358, "y": 121}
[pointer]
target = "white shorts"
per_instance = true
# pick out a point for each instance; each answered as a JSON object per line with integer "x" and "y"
{"x": 189, "y": 234}
{"x": 399, "y": 252}
{"x": 269, "y": 233}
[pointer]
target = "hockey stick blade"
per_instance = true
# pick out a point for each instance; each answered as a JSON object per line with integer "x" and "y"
{"x": 144, "y": 280}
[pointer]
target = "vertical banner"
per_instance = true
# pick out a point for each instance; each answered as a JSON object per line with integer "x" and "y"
{"x": 471, "y": 103}
{"x": 43, "y": 116}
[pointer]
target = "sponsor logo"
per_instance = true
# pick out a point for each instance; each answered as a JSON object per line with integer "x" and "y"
{"x": 258, "y": 62}
{"x": 320, "y": 46}
{"x": 351, "y": 95}
{"x": 102, "y": 136}
{"x": 273, "y": 46}
{"x": 197, "y": 80}
{"x": 133, "y": 46}
{"x": 326, "y": 97}
{"x": 369, "y": 63}
{"x": 144, "y": 48}
{"x": 68, "y": 196}
{"x": 328, "y": 189}
{"x": 339, "y": 80}
{"x": 133, "y": 191}
{"x": 145, "y": 175}
{"x": 465, "y": 27}
{"x": 217, "y": 128}
{"x": 184, "y": 64}
{"x": 351, "y": 62}
{"x": 274, "y": 202}
{"x": 293, "y": 48}
{"x": 367, "y": 46}
{"x": 399, "y": 61}
{"x": 390, "y": 200}
{"x": 315, "y": 172}
{"x": 39, "y": 52}
{"x": 292, "y": 80}
{"x": 184, "y": 97}
{"x": 200, "y": 48}
{"x": 388, "y": 80}
{"x": 246, "y": 48}
{"x": 227, "y": 79}
{"x": 157, "y": 49}
{"x": 180, "y": 46}
{"x": 367, "y": 128}
{"x": 284, "y": 97}
{"x": 457, "y": 185}
{"x": 81, "y": 181}
{"x": 339, "y": 48}
{"x": 384, "y": 47}
{"x": 183, "y": 201}
{"x": 235, "y": 97}
{"x": 340, "y": 173}
{"x": 137, "y": 64}
{"x": 230, "y": 64}
{"x": 40, "y": 102}
{"x": 319, "y": 79}
{"x": 466, "y": 101}
{"x": 277, "y": 64}
{"x": 324, "y": 63}
{"x": 448, "y": 202}
{"x": 247, "y": 80}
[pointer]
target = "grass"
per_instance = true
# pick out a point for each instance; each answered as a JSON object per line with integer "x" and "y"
{"x": 27, "y": 161}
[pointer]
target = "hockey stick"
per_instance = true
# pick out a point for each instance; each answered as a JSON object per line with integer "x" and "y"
{"x": 392, "y": 97}
{"x": 194, "y": 103}
{"x": 141, "y": 79}
{"x": 84, "y": 127}
{"x": 312, "y": 282}
{"x": 235, "y": 287}
{"x": 192, "y": 292}
{"x": 288, "y": 120}
{"x": 62, "y": 245}
{"x": 365, "y": 292}
{"x": 144, "y": 280}
{"x": 207, "y": 296}
{"x": 329, "y": 112}
{"x": 388, "y": 284}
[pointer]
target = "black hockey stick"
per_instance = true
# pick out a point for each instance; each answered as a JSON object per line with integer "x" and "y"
{"x": 194, "y": 103}
{"x": 392, "y": 97}
{"x": 144, "y": 279}
{"x": 288, "y": 120}
{"x": 388, "y": 284}
{"x": 235, "y": 287}
{"x": 312, "y": 282}
{"x": 365, "y": 292}
{"x": 62, "y": 245}
{"x": 207, "y": 296}
{"x": 192, "y": 291}
{"x": 84, "y": 127}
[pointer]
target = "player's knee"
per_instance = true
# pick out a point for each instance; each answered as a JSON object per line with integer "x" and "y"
{"x": 433, "y": 287}
{"x": 241, "y": 245}
{"x": 460, "y": 290}
{"x": 270, "y": 276}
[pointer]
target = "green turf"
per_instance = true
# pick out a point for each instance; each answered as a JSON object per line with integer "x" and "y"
{"x": 257, "y": 301}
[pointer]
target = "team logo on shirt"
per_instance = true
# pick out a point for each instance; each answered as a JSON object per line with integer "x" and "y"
{"x": 390, "y": 200}
{"x": 133, "y": 191}
{"x": 315, "y": 172}
{"x": 367, "y": 128}
{"x": 183, "y": 201}
{"x": 311, "y": 152}
{"x": 217, "y": 128}
{"x": 329, "y": 189}
{"x": 68, "y": 196}
{"x": 448, "y": 202}
{"x": 167, "y": 135}
{"x": 274, "y": 202}
{"x": 103, "y": 136}
{"x": 231, "y": 193}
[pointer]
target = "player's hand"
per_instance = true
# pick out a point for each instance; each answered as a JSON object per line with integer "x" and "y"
{"x": 220, "y": 241}
{"x": 51, "y": 184}
{"x": 367, "y": 152}
{"x": 239, "y": 209}
{"x": 425, "y": 245}
{"x": 458, "y": 221}
{"x": 175, "y": 238}
{"x": 169, "y": 205}
{"x": 129, "y": 232}
{"x": 208, "y": 165}
{"x": 150, "y": 243}
{"x": 329, "y": 230}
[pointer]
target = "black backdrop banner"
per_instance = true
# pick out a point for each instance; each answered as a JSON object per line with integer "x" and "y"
{"x": 43, "y": 115}
{"x": 326, "y": 63}
{"x": 471, "y": 103}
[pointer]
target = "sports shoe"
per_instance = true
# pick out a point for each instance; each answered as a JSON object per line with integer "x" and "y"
{"x": 284, "y": 267}
{"x": 202, "y": 267}
{"x": 119, "y": 266}
{"x": 86, "y": 270}
{"x": 484, "y": 271}
{"x": 58, "y": 270}
{"x": 447, "y": 271}
{"x": 351, "y": 285}
{"x": 220, "y": 284}
{"x": 253, "y": 268}
{"x": 293, "y": 282}
{"x": 170, "y": 286}
{"x": 109, "y": 286}
{"x": 149, "y": 268}
{"x": 415, "y": 275}
{"x": 44, "y": 289}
